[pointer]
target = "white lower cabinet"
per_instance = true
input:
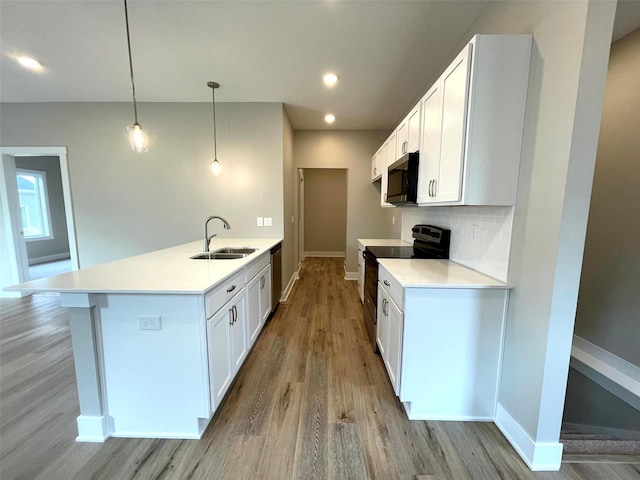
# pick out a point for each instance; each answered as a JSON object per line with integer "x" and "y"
{"x": 219, "y": 346}
{"x": 226, "y": 336}
{"x": 389, "y": 336}
{"x": 235, "y": 316}
{"x": 258, "y": 303}
{"x": 442, "y": 348}
{"x": 361, "y": 248}
{"x": 390, "y": 325}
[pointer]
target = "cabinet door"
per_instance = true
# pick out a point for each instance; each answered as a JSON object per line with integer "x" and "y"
{"x": 265, "y": 294}
{"x": 413, "y": 127}
{"x": 429, "y": 163}
{"x": 375, "y": 166}
{"x": 389, "y": 149}
{"x": 393, "y": 354}
{"x": 253, "y": 310}
{"x": 454, "y": 83}
{"x": 220, "y": 373}
{"x": 238, "y": 331}
{"x": 360, "y": 272}
{"x": 402, "y": 140}
{"x": 382, "y": 321}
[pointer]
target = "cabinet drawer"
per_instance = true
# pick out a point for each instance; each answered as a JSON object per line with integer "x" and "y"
{"x": 216, "y": 298}
{"x": 256, "y": 267}
{"x": 391, "y": 285}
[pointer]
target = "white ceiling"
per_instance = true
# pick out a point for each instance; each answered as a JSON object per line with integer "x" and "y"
{"x": 386, "y": 53}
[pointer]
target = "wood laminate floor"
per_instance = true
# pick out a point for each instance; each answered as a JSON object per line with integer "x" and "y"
{"x": 312, "y": 401}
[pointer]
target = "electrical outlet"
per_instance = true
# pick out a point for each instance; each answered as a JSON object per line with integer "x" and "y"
{"x": 268, "y": 221}
{"x": 474, "y": 233}
{"x": 393, "y": 220}
{"x": 259, "y": 221}
{"x": 150, "y": 322}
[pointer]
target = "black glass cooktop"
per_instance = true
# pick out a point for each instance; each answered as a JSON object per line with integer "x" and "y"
{"x": 402, "y": 252}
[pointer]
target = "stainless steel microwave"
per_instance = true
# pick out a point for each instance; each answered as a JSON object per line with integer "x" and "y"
{"x": 402, "y": 180}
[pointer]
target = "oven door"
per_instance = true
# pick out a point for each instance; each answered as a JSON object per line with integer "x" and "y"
{"x": 369, "y": 315}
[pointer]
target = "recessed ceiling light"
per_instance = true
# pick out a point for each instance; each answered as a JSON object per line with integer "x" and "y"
{"x": 30, "y": 63}
{"x": 330, "y": 79}
{"x": 329, "y": 118}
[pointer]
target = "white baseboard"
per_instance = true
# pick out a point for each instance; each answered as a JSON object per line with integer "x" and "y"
{"x": 292, "y": 281}
{"x": 5, "y": 294}
{"x": 351, "y": 275}
{"x": 537, "y": 455}
{"x": 49, "y": 258}
{"x": 611, "y": 372}
{"x": 324, "y": 254}
{"x": 92, "y": 429}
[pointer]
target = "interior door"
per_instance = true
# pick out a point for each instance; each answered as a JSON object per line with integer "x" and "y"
{"x": 16, "y": 268}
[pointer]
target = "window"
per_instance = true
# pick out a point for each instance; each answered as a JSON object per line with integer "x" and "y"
{"x": 34, "y": 204}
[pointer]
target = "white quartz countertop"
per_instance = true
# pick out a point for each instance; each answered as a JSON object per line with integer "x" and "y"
{"x": 163, "y": 271}
{"x": 384, "y": 242}
{"x": 437, "y": 274}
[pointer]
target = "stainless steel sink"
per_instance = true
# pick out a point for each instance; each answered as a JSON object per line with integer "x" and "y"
{"x": 225, "y": 254}
{"x": 242, "y": 250}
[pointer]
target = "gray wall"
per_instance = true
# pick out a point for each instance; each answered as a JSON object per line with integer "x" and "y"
{"x": 59, "y": 244}
{"x": 351, "y": 150}
{"x": 289, "y": 246}
{"x": 126, "y": 203}
{"x": 566, "y": 86}
{"x": 587, "y": 403}
{"x": 608, "y": 303}
{"x": 325, "y": 210}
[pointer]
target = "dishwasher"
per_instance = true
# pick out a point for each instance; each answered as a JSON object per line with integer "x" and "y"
{"x": 276, "y": 276}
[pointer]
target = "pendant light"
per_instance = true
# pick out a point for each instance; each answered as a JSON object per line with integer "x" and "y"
{"x": 215, "y": 164}
{"x": 137, "y": 136}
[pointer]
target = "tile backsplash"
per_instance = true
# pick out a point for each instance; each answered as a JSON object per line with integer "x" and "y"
{"x": 488, "y": 252}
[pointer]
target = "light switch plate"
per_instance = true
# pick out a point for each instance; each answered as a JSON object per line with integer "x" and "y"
{"x": 268, "y": 221}
{"x": 150, "y": 322}
{"x": 259, "y": 222}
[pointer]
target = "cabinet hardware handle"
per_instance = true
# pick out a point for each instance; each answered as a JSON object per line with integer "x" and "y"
{"x": 386, "y": 283}
{"x": 429, "y": 189}
{"x": 385, "y": 305}
{"x": 435, "y": 187}
{"x": 231, "y": 288}
{"x": 262, "y": 282}
{"x": 375, "y": 170}
{"x": 231, "y": 313}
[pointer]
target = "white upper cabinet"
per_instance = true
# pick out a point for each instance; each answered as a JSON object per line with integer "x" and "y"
{"x": 429, "y": 161}
{"x": 375, "y": 165}
{"x": 388, "y": 157}
{"x": 473, "y": 119}
{"x": 408, "y": 133}
{"x": 468, "y": 126}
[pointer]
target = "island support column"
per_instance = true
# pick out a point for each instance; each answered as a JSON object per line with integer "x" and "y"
{"x": 92, "y": 424}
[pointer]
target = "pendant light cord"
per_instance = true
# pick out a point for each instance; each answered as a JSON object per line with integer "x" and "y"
{"x": 133, "y": 86}
{"x": 213, "y": 86}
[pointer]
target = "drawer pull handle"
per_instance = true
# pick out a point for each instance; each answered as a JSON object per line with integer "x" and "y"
{"x": 387, "y": 283}
{"x": 231, "y": 288}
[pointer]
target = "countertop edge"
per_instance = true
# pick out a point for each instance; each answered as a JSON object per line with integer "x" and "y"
{"x": 25, "y": 287}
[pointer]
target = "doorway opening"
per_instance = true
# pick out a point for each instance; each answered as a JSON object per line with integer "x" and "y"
{"x": 36, "y": 214}
{"x": 323, "y": 207}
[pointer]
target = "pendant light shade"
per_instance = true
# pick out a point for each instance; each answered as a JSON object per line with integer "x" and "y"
{"x": 137, "y": 136}
{"x": 215, "y": 164}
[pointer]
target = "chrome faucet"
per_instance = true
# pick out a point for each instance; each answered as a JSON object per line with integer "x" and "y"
{"x": 207, "y": 237}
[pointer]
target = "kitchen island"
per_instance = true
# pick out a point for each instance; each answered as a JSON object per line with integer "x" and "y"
{"x": 158, "y": 338}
